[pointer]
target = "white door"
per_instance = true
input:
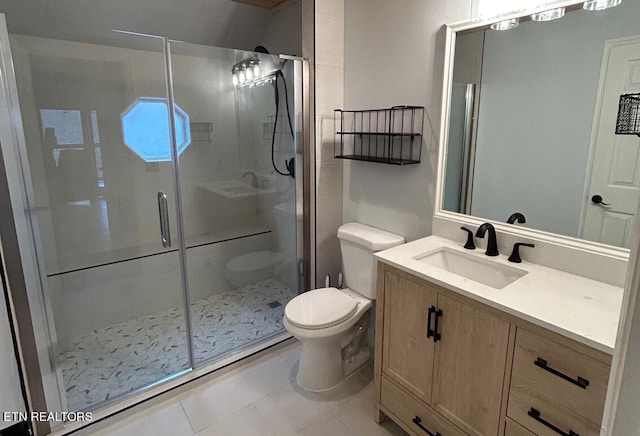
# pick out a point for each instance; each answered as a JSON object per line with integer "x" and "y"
{"x": 615, "y": 174}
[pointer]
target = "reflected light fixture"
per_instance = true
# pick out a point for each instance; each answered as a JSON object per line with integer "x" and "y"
{"x": 600, "y": 5}
{"x": 250, "y": 72}
{"x": 506, "y": 24}
{"x": 548, "y": 15}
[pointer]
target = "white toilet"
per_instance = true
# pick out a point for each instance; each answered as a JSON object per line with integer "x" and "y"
{"x": 331, "y": 322}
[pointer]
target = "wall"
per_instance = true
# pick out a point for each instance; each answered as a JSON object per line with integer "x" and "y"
{"x": 103, "y": 296}
{"x": 220, "y": 23}
{"x": 513, "y": 149}
{"x": 623, "y": 393}
{"x": 329, "y": 93}
{"x": 11, "y": 399}
{"x": 394, "y": 55}
{"x": 283, "y": 34}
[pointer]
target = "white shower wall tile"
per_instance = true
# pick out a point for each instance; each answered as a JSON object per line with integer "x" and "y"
{"x": 127, "y": 290}
{"x": 111, "y": 361}
{"x": 99, "y": 297}
{"x": 329, "y": 89}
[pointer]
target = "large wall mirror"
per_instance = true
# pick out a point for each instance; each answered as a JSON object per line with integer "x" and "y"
{"x": 531, "y": 122}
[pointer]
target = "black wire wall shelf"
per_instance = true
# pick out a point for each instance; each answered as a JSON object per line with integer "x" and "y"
{"x": 628, "y": 121}
{"x": 391, "y": 136}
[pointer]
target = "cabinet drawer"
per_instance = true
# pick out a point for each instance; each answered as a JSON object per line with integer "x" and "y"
{"x": 406, "y": 410}
{"x": 567, "y": 388}
{"x": 513, "y": 429}
{"x": 549, "y": 418}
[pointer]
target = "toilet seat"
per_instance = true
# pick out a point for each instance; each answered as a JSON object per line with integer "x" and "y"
{"x": 320, "y": 308}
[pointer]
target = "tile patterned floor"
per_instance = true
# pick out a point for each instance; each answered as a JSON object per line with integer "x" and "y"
{"x": 258, "y": 398}
{"x": 111, "y": 361}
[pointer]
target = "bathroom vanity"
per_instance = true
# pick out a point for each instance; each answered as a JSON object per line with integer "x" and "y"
{"x": 455, "y": 356}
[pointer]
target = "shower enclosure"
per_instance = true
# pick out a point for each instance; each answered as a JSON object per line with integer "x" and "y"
{"x": 160, "y": 194}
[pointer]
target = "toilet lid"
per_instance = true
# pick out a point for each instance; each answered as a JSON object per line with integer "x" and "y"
{"x": 320, "y": 308}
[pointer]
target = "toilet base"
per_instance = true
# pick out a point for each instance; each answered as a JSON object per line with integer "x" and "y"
{"x": 252, "y": 267}
{"x": 314, "y": 379}
{"x": 327, "y": 362}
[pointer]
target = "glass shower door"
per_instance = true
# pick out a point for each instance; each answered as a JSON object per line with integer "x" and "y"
{"x": 96, "y": 126}
{"x": 238, "y": 192}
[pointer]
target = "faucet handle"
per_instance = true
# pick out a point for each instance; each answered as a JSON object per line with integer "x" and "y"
{"x": 469, "y": 245}
{"x": 515, "y": 254}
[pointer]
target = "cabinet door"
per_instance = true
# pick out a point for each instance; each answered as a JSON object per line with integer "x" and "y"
{"x": 469, "y": 369}
{"x": 408, "y": 353}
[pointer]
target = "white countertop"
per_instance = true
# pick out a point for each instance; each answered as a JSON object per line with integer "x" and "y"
{"x": 576, "y": 307}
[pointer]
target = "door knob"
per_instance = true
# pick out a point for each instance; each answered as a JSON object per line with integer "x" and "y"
{"x": 597, "y": 199}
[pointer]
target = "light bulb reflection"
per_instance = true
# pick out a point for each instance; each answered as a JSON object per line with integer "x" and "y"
{"x": 600, "y": 5}
{"x": 551, "y": 14}
{"x": 248, "y": 72}
{"x": 505, "y": 24}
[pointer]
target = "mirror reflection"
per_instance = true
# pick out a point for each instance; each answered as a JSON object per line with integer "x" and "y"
{"x": 532, "y": 120}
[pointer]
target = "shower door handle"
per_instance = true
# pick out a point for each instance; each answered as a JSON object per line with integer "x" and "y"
{"x": 163, "y": 211}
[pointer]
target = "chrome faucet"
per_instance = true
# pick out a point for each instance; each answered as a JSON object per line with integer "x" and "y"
{"x": 492, "y": 244}
{"x": 254, "y": 178}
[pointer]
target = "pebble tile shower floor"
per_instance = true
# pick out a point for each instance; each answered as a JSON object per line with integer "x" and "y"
{"x": 112, "y": 361}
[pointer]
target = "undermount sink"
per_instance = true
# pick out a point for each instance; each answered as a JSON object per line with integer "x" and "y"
{"x": 240, "y": 189}
{"x": 479, "y": 270}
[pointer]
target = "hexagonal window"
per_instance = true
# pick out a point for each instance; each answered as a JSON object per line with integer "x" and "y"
{"x": 145, "y": 129}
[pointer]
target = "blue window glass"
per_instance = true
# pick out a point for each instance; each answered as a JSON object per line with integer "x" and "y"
{"x": 145, "y": 129}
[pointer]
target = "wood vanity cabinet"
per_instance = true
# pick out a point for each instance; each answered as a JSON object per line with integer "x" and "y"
{"x": 449, "y": 355}
{"x": 448, "y": 365}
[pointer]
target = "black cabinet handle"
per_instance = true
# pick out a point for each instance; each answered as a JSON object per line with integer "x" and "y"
{"x": 430, "y": 312}
{"x": 417, "y": 421}
{"x": 436, "y": 334}
{"x": 583, "y": 383}
{"x": 535, "y": 414}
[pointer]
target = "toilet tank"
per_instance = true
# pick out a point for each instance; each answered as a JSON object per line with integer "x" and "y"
{"x": 358, "y": 242}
